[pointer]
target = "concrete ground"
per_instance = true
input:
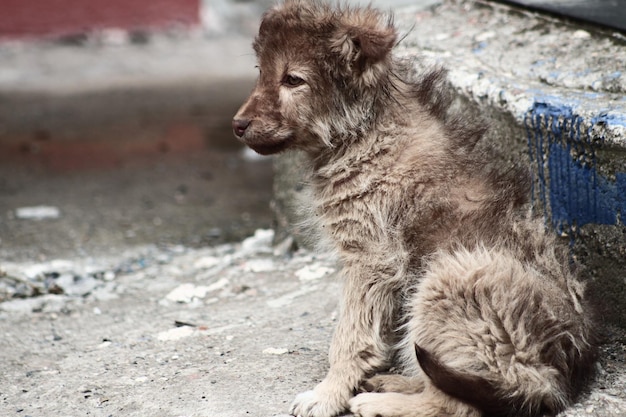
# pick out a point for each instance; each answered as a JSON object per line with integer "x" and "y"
{"x": 135, "y": 294}
{"x": 221, "y": 331}
{"x": 228, "y": 330}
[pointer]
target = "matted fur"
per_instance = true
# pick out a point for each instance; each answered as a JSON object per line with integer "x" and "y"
{"x": 446, "y": 275}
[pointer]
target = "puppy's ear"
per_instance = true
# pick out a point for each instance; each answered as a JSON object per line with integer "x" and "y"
{"x": 364, "y": 41}
{"x": 374, "y": 44}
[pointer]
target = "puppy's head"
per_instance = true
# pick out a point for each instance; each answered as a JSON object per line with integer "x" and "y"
{"x": 320, "y": 69}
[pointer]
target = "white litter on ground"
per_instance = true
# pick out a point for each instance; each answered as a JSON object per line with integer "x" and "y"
{"x": 275, "y": 351}
{"x": 175, "y": 333}
{"x": 313, "y": 272}
{"x": 185, "y": 293}
{"x": 38, "y": 213}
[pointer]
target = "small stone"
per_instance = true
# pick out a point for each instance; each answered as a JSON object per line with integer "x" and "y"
{"x": 261, "y": 241}
{"x": 581, "y": 34}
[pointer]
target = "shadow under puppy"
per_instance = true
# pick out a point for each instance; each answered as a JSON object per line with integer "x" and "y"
{"x": 446, "y": 274}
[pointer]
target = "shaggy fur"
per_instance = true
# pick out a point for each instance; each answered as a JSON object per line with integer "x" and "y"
{"x": 446, "y": 275}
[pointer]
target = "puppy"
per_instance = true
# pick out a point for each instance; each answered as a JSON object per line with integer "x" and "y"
{"x": 446, "y": 275}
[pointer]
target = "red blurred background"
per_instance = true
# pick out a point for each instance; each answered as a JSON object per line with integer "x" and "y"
{"x": 54, "y": 18}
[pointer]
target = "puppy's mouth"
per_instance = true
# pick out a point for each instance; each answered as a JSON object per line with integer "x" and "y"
{"x": 268, "y": 147}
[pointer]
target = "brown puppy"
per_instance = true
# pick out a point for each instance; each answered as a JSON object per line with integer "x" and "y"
{"x": 446, "y": 275}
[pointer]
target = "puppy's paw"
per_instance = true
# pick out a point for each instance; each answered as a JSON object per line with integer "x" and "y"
{"x": 382, "y": 404}
{"x": 367, "y": 405}
{"x": 392, "y": 383}
{"x": 323, "y": 401}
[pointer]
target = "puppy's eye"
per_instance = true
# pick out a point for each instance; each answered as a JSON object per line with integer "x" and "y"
{"x": 292, "y": 80}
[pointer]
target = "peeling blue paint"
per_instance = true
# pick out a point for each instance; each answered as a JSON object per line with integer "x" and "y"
{"x": 614, "y": 75}
{"x": 592, "y": 96}
{"x": 562, "y": 148}
{"x": 479, "y": 48}
{"x": 542, "y": 62}
{"x": 609, "y": 119}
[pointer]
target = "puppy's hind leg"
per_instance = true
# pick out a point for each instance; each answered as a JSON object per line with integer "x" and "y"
{"x": 497, "y": 332}
{"x": 429, "y": 403}
{"x": 393, "y": 383}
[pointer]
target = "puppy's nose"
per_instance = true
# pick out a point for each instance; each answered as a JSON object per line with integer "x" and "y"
{"x": 240, "y": 126}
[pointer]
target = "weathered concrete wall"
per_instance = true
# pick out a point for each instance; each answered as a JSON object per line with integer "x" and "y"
{"x": 578, "y": 185}
{"x": 554, "y": 95}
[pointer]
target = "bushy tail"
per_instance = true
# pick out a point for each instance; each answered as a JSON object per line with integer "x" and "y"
{"x": 477, "y": 391}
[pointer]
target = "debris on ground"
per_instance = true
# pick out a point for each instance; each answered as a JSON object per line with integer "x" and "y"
{"x": 38, "y": 213}
{"x": 228, "y": 330}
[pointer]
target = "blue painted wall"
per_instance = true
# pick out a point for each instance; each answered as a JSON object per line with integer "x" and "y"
{"x": 567, "y": 184}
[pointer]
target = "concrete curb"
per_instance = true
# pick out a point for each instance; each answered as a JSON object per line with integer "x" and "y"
{"x": 555, "y": 95}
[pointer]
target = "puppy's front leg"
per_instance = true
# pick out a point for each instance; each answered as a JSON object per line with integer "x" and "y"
{"x": 358, "y": 347}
